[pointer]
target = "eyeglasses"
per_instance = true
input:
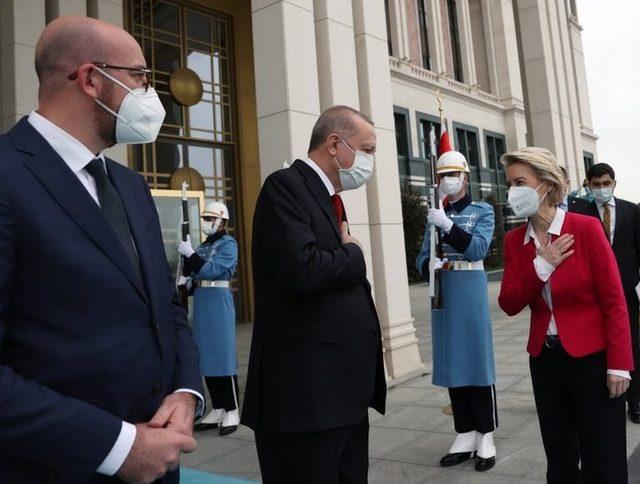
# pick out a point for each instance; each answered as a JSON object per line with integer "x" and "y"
{"x": 141, "y": 71}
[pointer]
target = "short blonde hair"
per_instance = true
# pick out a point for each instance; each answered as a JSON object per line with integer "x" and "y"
{"x": 545, "y": 167}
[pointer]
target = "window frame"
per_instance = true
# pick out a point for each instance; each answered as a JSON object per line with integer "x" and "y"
{"x": 423, "y": 32}
{"x": 454, "y": 37}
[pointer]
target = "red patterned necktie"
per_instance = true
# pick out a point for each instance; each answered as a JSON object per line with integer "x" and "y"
{"x": 338, "y": 207}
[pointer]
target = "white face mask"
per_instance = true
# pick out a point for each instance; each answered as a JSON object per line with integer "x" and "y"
{"x": 210, "y": 228}
{"x": 602, "y": 195}
{"x": 524, "y": 201}
{"x": 140, "y": 116}
{"x": 359, "y": 173}
{"x": 451, "y": 185}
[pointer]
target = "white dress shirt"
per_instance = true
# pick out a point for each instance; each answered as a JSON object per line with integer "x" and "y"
{"x": 544, "y": 270}
{"x": 77, "y": 156}
{"x": 323, "y": 176}
{"x": 612, "y": 215}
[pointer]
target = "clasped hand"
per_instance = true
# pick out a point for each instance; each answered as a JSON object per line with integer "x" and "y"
{"x": 159, "y": 443}
{"x": 556, "y": 252}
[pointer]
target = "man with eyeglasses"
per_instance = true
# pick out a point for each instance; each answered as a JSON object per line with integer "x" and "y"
{"x": 99, "y": 378}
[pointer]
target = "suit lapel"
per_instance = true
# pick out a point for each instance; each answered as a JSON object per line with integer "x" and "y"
{"x": 136, "y": 219}
{"x": 620, "y": 222}
{"x": 65, "y": 188}
{"x": 319, "y": 192}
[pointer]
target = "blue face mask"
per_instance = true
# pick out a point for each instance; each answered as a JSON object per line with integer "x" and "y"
{"x": 602, "y": 195}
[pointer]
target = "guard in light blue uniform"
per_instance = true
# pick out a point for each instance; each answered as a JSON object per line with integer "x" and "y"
{"x": 461, "y": 332}
{"x": 212, "y": 265}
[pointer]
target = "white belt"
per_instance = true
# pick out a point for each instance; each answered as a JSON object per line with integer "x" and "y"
{"x": 212, "y": 283}
{"x": 465, "y": 265}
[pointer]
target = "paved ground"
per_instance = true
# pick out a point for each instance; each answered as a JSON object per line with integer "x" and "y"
{"x": 406, "y": 443}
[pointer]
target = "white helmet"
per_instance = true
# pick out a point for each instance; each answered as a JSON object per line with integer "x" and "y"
{"x": 451, "y": 161}
{"x": 216, "y": 209}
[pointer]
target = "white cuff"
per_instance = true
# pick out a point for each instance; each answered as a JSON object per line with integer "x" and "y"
{"x": 543, "y": 268}
{"x": 448, "y": 225}
{"x": 201, "y": 404}
{"x": 120, "y": 450}
{"x": 622, "y": 373}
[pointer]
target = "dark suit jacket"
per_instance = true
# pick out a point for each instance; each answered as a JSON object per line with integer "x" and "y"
{"x": 626, "y": 241}
{"x": 578, "y": 205}
{"x": 82, "y": 344}
{"x": 316, "y": 355}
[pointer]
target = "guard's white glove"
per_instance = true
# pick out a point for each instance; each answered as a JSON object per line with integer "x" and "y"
{"x": 185, "y": 248}
{"x": 185, "y": 281}
{"x": 438, "y": 218}
{"x": 435, "y": 263}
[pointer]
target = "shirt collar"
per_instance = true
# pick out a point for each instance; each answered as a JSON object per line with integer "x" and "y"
{"x": 554, "y": 229}
{"x": 73, "y": 152}
{"x": 460, "y": 205}
{"x": 611, "y": 202}
{"x": 323, "y": 176}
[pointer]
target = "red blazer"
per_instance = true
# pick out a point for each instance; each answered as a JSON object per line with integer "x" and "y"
{"x": 589, "y": 307}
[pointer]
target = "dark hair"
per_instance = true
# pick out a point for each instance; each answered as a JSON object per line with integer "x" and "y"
{"x": 600, "y": 169}
{"x": 338, "y": 120}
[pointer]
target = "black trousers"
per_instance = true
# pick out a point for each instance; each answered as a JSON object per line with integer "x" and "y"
{"x": 223, "y": 391}
{"x": 633, "y": 394}
{"x": 474, "y": 408}
{"x": 334, "y": 456}
{"x": 578, "y": 420}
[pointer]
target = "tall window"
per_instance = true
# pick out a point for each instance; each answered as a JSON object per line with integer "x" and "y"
{"x": 588, "y": 160}
{"x": 495, "y": 149}
{"x": 388, "y": 19}
{"x": 424, "y": 127}
{"x": 424, "y": 37}
{"x": 455, "y": 40}
{"x": 402, "y": 136}
{"x": 202, "y": 136}
{"x": 467, "y": 144}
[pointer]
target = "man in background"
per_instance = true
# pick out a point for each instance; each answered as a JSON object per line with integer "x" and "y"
{"x": 621, "y": 224}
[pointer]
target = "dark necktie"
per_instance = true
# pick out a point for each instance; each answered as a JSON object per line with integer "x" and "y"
{"x": 113, "y": 210}
{"x": 338, "y": 207}
{"x": 606, "y": 221}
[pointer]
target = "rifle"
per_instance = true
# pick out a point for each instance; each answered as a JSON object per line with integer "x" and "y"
{"x": 182, "y": 272}
{"x": 435, "y": 242}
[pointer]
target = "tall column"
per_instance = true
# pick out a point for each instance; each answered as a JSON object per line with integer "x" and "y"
{"x": 383, "y": 193}
{"x": 286, "y": 73}
{"x": 466, "y": 43}
{"x": 338, "y": 84}
{"x": 436, "y": 39}
{"x": 398, "y": 28}
{"x": 543, "y": 107}
{"x": 489, "y": 46}
{"x": 506, "y": 66}
{"x": 111, "y": 11}
{"x": 21, "y": 23}
{"x": 56, "y": 8}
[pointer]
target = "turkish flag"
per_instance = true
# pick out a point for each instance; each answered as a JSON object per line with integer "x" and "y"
{"x": 445, "y": 144}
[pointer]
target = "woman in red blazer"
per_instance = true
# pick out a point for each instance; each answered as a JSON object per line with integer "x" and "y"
{"x": 562, "y": 267}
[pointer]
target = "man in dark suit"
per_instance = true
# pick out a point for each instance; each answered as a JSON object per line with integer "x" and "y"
{"x": 99, "y": 376}
{"x": 316, "y": 356}
{"x": 621, "y": 223}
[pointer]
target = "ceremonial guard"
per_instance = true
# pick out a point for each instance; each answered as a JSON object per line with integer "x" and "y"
{"x": 461, "y": 329}
{"x": 212, "y": 265}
